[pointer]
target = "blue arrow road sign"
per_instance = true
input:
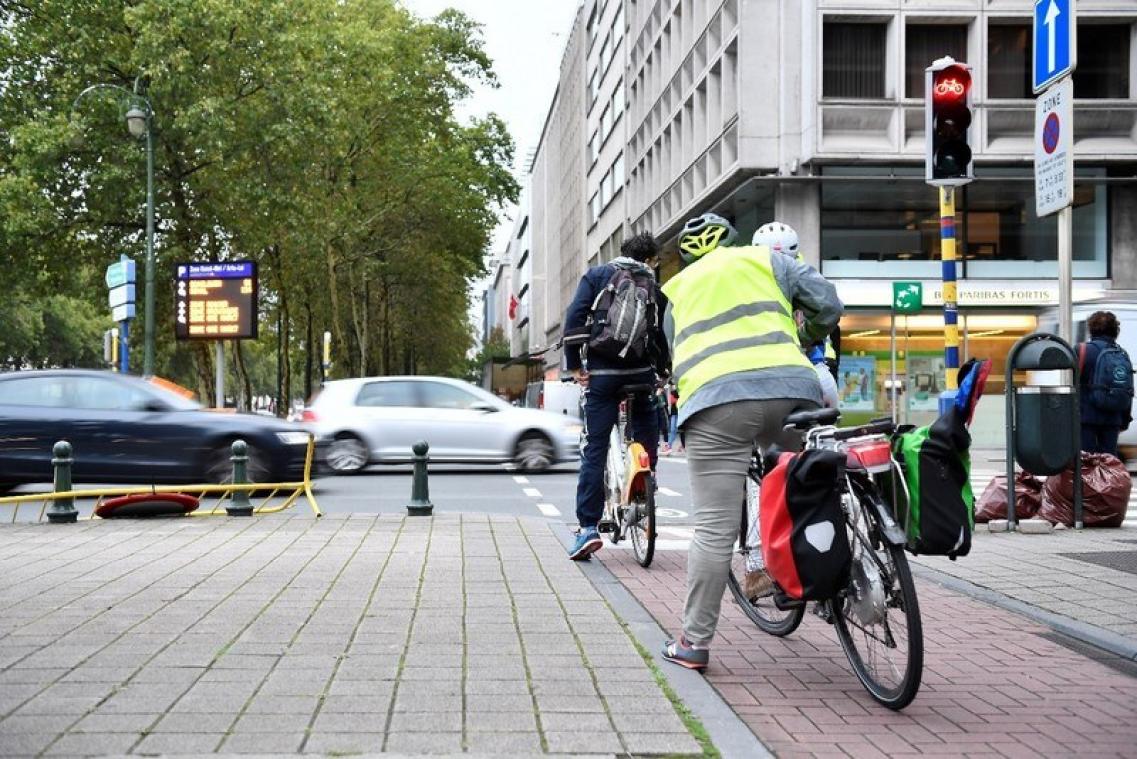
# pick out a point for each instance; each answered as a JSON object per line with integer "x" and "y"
{"x": 1055, "y": 41}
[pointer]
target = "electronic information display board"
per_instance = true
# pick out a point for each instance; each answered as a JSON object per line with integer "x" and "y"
{"x": 215, "y": 301}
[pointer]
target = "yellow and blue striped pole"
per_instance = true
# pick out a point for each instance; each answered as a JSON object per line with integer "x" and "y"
{"x": 951, "y": 309}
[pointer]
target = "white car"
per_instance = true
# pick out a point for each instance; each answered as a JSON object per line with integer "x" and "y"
{"x": 378, "y": 419}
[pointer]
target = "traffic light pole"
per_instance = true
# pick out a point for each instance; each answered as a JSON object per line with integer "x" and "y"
{"x": 951, "y": 309}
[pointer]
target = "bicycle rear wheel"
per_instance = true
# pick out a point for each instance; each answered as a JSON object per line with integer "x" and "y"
{"x": 760, "y": 609}
{"x": 878, "y": 622}
{"x": 642, "y": 528}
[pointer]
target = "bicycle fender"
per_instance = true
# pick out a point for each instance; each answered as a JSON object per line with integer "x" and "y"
{"x": 892, "y": 532}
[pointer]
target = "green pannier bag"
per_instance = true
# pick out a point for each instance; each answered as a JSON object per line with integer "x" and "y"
{"x": 939, "y": 511}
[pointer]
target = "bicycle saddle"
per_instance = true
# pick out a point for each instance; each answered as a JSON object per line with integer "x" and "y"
{"x": 630, "y": 390}
{"x": 804, "y": 420}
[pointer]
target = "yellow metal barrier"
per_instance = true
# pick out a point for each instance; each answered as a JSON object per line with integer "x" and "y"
{"x": 293, "y": 491}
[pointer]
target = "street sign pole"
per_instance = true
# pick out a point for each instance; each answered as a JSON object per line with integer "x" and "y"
{"x": 1066, "y": 274}
{"x": 892, "y": 352}
{"x": 219, "y": 366}
{"x": 124, "y": 346}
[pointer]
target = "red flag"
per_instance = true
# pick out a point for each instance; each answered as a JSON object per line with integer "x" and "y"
{"x": 513, "y": 304}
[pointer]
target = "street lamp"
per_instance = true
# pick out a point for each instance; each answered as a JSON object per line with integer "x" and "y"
{"x": 140, "y": 122}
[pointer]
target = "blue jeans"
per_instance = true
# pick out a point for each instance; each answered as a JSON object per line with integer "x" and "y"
{"x": 674, "y": 430}
{"x": 601, "y": 410}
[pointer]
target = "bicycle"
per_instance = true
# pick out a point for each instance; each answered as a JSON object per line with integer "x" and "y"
{"x": 889, "y": 661}
{"x": 629, "y": 484}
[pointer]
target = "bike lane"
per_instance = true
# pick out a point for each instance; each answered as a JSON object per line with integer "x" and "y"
{"x": 995, "y": 683}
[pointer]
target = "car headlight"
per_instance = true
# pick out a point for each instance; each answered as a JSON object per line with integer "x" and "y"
{"x": 293, "y": 438}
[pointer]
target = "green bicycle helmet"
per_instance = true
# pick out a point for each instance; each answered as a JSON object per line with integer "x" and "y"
{"x": 703, "y": 234}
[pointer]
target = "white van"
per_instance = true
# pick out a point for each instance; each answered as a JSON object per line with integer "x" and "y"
{"x": 1125, "y": 309}
{"x": 557, "y": 397}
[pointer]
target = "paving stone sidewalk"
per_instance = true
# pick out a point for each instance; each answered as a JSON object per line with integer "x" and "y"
{"x": 345, "y": 635}
{"x": 1087, "y": 576}
{"x": 995, "y": 683}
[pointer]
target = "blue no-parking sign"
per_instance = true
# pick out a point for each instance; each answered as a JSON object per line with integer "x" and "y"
{"x": 1055, "y": 42}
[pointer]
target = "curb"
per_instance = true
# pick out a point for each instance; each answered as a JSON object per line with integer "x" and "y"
{"x": 1108, "y": 641}
{"x": 729, "y": 734}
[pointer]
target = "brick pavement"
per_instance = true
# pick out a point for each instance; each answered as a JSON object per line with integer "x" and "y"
{"x": 994, "y": 684}
{"x": 345, "y": 635}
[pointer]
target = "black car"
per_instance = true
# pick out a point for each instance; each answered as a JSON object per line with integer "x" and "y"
{"x": 123, "y": 429}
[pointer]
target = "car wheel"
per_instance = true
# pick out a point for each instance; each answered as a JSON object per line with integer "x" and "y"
{"x": 534, "y": 452}
{"x": 219, "y": 469}
{"x": 347, "y": 454}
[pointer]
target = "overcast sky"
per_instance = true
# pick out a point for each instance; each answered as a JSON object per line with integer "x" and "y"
{"x": 525, "y": 39}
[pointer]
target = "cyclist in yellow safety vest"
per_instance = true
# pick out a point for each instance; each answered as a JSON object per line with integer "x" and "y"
{"x": 738, "y": 360}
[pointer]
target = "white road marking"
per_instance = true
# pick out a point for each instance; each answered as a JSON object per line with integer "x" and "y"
{"x": 549, "y": 509}
{"x": 521, "y": 480}
{"x": 670, "y": 492}
{"x": 670, "y": 514}
{"x": 532, "y": 492}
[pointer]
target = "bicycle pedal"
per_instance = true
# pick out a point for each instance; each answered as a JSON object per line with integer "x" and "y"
{"x": 606, "y": 526}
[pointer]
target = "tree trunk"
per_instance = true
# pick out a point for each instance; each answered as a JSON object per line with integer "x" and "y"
{"x": 308, "y": 352}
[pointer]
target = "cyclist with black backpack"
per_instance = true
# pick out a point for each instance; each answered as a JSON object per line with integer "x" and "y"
{"x": 613, "y": 338}
{"x": 1106, "y": 385}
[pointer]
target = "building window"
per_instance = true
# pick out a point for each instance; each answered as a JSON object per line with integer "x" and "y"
{"x": 924, "y": 43}
{"x": 853, "y": 60}
{"x": 606, "y": 53}
{"x": 605, "y": 124}
{"x": 594, "y": 148}
{"x": 618, "y": 99}
{"x": 618, "y": 26}
{"x": 594, "y": 208}
{"x": 890, "y": 229}
{"x": 618, "y": 171}
{"x": 1008, "y": 61}
{"x": 1103, "y": 61}
{"x": 593, "y": 87}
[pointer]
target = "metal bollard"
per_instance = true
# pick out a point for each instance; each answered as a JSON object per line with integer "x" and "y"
{"x": 239, "y": 505}
{"x": 420, "y": 505}
{"x": 62, "y": 510}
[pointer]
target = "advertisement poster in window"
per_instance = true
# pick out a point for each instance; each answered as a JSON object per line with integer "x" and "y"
{"x": 925, "y": 382}
{"x": 856, "y": 383}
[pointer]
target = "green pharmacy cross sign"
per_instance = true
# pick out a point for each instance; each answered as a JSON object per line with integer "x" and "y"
{"x": 907, "y": 297}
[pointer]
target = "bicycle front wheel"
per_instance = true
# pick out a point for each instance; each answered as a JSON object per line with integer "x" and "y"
{"x": 758, "y": 608}
{"x": 642, "y": 527}
{"x": 878, "y": 623}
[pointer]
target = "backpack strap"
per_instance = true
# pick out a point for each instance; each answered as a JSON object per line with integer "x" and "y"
{"x": 1081, "y": 360}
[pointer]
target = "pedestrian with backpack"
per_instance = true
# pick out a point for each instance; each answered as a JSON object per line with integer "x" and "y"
{"x": 1105, "y": 385}
{"x": 613, "y": 337}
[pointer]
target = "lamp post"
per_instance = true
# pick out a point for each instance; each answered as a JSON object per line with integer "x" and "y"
{"x": 139, "y": 121}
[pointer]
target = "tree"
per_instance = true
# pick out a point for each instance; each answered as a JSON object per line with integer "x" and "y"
{"x": 318, "y": 139}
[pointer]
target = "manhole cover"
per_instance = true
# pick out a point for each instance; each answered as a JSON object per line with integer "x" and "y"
{"x": 1123, "y": 561}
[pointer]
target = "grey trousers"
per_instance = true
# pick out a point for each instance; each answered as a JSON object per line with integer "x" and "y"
{"x": 719, "y": 441}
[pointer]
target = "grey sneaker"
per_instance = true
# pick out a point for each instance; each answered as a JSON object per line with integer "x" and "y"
{"x": 685, "y": 655}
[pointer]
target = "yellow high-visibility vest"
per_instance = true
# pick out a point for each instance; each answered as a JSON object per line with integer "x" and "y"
{"x": 730, "y": 316}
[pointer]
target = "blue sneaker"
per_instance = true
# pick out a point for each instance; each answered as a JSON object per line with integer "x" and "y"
{"x": 587, "y": 543}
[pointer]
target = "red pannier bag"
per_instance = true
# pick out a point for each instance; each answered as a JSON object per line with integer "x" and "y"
{"x": 804, "y": 540}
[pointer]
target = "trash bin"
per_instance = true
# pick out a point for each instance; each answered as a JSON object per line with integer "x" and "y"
{"x": 1043, "y": 433}
{"x": 1044, "y": 428}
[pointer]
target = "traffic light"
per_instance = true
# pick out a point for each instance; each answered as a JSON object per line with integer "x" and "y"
{"x": 947, "y": 100}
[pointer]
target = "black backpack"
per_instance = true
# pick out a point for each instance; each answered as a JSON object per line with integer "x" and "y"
{"x": 623, "y": 316}
{"x": 1111, "y": 387}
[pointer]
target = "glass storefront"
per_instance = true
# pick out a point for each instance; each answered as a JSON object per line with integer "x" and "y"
{"x": 866, "y": 365}
{"x": 890, "y": 228}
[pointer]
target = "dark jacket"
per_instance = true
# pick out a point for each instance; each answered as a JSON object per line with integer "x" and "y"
{"x": 1091, "y": 414}
{"x": 576, "y": 318}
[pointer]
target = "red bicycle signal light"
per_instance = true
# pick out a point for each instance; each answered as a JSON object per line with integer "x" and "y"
{"x": 947, "y": 100}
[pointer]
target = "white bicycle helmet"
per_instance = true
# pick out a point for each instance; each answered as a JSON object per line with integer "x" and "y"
{"x": 779, "y": 237}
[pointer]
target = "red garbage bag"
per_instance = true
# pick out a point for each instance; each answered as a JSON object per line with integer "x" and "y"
{"x": 1105, "y": 493}
{"x": 993, "y": 503}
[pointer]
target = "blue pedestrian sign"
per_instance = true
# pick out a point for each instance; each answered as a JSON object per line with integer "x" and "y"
{"x": 1055, "y": 42}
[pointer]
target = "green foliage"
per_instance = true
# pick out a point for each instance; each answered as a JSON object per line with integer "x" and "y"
{"x": 316, "y": 138}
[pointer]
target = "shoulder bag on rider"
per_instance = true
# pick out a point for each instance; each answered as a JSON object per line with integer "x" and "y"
{"x": 804, "y": 541}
